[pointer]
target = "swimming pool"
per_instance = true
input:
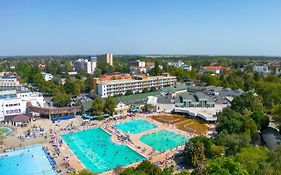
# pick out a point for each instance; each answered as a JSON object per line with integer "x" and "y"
{"x": 135, "y": 126}
{"x": 163, "y": 140}
{"x": 97, "y": 152}
{"x": 25, "y": 161}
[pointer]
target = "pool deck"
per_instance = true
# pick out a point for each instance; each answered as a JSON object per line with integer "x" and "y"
{"x": 13, "y": 140}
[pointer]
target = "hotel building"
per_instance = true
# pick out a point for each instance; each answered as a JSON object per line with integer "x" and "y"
{"x": 9, "y": 81}
{"x": 104, "y": 89}
{"x": 14, "y": 102}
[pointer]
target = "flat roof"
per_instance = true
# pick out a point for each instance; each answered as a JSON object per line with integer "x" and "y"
{"x": 133, "y": 80}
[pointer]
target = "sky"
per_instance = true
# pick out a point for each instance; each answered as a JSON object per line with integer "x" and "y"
{"x": 189, "y": 27}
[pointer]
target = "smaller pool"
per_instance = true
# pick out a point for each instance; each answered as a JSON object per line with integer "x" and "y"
{"x": 25, "y": 161}
{"x": 135, "y": 126}
{"x": 4, "y": 130}
{"x": 164, "y": 140}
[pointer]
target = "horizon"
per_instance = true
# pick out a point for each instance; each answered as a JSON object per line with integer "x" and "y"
{"x": 213, "y": 28}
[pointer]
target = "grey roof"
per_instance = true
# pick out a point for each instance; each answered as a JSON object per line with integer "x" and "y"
{"x": 201, "y": 96}
{"x": 165, "y": 99}
{"x": 271, "y": 137}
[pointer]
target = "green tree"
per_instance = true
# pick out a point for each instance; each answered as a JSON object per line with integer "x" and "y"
{"x": 232, "y": 142}
{"x": 97, "y": 106}
{"x": 274, "y": 158}
{"x": 254, "y": 160}
{"x": 129, "y": 92}
{"x": 277, "y": 116}
{"x": 147, "y": 167}
{"x": 247, "y": 102}
{"x": 225, "y": 166}
{"x": 110, "y": 105}
{"x": 83, "y": 172}
{"x": 60, "y": 97}
{"x": 194, "y": 152}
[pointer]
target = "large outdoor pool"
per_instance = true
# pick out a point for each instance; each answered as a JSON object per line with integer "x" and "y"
{"x": 25, "y": 161}
{"x": 97, "y": 152}
{"x": 135, "y": 126}
{"x": 163, "y": 140}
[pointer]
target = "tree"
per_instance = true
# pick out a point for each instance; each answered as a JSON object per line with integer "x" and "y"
{"x": 194, "y": 152}
{"x": 232, "y": 142}
{"x": 97, "y": 106}
{"x": 148, "y": 108}
{"x": 129, "y": 92}
{"x": 83, "y": 172}
{"x": 145, "y": 90}
{"x": 274, "y": 158}
{"x": 254, "y": 159}
{"x": 225, "y": 166}
{"x": 60, "y": 98}
{"x": 147, "y": 167}
{"x": 110, "y": 105}
{"x": 277, "y": 116}
{"x": 247, "y": 102}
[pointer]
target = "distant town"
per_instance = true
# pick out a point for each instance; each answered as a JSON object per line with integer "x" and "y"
{"x": 115, "y": 114}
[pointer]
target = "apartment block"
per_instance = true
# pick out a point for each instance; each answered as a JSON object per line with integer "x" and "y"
{"x": 104, "y": 89}
{"x": 108, "y": 57}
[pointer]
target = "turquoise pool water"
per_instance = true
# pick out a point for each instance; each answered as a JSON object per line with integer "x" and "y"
{"x": 135, "y": 126}
{"x": 97, "y": 152}
{"x": 25, "y": 161}
{"x": 163, "y": 140}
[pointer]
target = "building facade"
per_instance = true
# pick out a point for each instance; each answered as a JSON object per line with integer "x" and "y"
{"x": 108, "y": 57}
{"x": 47, "y": 76}
{"x": 104, "y": 89}
{"x": 261, "y": 69}
{"x": 199, "y": 99}
{"x": 9, "y": 82}
{"x": 212, "y": 69}
{"x": 14, "y": 103}
{"x": 86, "y": 65}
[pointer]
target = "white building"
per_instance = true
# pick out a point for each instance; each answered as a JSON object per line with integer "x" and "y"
{"x": 180, "y": 64}
{"x": 14, "y": 103}
{"x": 47, "y": 76}
{"x": 177, "y": 64}
{"x": 8, "y": 82}
{"x": 261, "y": 69}
{"x": 86, "y": 65}
{"x": 137, "y": 84}
{"x": 137, "y": 63}
{"x": 108, "y": 57}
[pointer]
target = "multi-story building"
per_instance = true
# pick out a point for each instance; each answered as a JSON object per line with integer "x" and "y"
{"x": 261, "y": 69}
{"x": 213, "y": 69}
{"x": 104, "y": 89}
{"x": 136, "y": 63}
{"x": 177, "y": 64}
{"x": 180, "y": 64}
{"x": 14, "y": 102}
{"x": 137, "y": 70}
{"x": 86, "y": 65}
{"x": 199, "y": 99}
{"x": 9, "y": 81}
{"x": 108, "y": 57}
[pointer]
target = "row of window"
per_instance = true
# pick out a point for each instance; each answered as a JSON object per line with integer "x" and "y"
{"x": 11, "y": 105}
{"x": 13, "y": 111}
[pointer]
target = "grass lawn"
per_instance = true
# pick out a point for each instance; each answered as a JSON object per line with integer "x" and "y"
{"x": 168, "y": 118}
{"x": 192, "y": 126}
{"x": 182, "y": 123}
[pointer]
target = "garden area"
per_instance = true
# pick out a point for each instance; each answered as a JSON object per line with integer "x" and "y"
{"x": 182, "y": 123}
